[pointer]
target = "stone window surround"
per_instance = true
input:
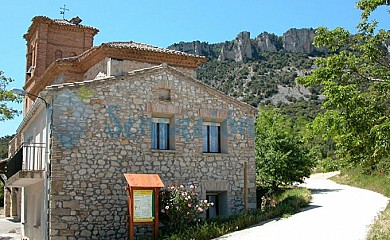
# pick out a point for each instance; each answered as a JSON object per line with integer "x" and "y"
{"x": 220, "y": 187}
{"x": 161, "y": 133}
{"x": 171, "y": 132}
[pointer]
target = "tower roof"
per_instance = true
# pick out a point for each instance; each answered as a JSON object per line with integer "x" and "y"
{"x": 61, "y": 23}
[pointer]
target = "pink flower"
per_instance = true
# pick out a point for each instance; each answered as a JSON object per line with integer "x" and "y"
{"x": 189, "y": 205}
{"x": 162, "y": 210}
{"x": 200, "y": 209}
{"x": 166, "y": 207}
{"x": 205, "y": 201}
{"x": 192, "y": 186}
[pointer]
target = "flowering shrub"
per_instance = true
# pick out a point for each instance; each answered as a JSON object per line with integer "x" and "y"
{"x": 180, "y": 205}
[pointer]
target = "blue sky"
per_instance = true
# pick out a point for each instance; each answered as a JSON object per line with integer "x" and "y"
{"x": 162, "y": 23}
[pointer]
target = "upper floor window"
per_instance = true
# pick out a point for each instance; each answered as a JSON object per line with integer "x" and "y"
{"x": 160, "y": 133}
{"x": 211, "y": 137}
{"x": 164, "y": 94}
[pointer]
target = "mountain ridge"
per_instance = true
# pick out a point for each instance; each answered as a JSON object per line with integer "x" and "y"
{"x": 244, "y": 48}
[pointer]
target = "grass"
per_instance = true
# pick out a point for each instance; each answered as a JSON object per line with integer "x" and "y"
{"x": 283, "y": 203}
{"x": 380, "y": 183}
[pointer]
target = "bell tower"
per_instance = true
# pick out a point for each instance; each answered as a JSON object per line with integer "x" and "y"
{"x": 49, "y": 40}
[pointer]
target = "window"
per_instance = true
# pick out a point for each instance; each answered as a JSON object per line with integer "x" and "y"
{"x": 211, "y": 137}
{"x": 160, "y": 133}
{"x": 164, "y": 94}
{"x": 213, "y": 211}
{"x": 219, "y": 200}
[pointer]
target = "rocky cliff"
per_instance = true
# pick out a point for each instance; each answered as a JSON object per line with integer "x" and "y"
{"x": 243, "y": 48}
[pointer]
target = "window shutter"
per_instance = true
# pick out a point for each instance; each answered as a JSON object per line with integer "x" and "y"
{"x": 153, "y": 134}
{"x": 205, "y": 139}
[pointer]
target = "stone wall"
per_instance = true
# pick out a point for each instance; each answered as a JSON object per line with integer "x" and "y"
{"x": 102, "y": 130}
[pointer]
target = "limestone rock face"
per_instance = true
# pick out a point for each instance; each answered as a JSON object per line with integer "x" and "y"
{"x": 299, "y": 40}
{"x": 243, "y": 48}
{"x": 195, "y": 47}
{"x": 238, "y": 50}
{"x": 267, "y": 42}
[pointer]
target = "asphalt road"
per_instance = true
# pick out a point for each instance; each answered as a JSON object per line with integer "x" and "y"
{"x": 9, "y": 229}
{"x": 337, "y": 212}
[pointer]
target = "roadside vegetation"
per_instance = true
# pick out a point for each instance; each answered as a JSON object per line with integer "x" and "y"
{"x": 281, "y": 203}
{"x": 378, "y": 182}
{"x": 355, "y": 80}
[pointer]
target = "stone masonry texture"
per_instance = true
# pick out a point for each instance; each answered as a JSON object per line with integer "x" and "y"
{"x": 101, "y": 130}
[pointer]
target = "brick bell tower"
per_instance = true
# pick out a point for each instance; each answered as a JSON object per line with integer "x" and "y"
{"x": 49, "y": 40}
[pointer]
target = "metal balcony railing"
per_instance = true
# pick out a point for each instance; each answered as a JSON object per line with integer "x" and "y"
{"x": 29, "y": 157}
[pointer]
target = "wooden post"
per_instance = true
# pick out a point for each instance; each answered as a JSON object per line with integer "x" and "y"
{"x": 131, "y": 223}
{"x": 245, "y": 187}
{"x": 156, "y": 193}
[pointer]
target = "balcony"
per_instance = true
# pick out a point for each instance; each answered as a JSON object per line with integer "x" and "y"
{"x": 26, "y": 166}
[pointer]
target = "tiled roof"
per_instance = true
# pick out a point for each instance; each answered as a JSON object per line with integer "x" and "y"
{"x": 123, "y": 46}
{"x": 61, "y": 22}
{"x": 64, "y": 22}
{"x": 147, "y": 47}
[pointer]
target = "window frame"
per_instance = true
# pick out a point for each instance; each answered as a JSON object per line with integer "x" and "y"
{"x": 208, "y": 137}
{"x": 156, "y": 122}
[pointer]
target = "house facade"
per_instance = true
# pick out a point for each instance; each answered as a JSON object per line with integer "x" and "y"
{"x": 121, "y": 107}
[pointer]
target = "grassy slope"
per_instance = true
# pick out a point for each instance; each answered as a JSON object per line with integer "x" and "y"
{"x": 380, "y": 230}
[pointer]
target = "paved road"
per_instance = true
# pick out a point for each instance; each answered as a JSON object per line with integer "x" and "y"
{"x": 337, "y": 212}
{"x": 9, "y": 229}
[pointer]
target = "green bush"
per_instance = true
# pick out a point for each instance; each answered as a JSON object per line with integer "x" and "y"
{"x": 281, "y": 156}
{"x": 287, "y": 202}
{"x": 180, "y": 205}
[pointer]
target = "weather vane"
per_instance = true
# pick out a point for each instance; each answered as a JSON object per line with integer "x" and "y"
{"x": 62, "y": 11}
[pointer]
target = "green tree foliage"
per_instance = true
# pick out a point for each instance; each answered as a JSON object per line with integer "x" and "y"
{"x": 6, "y": 97}
{"x": 281, "y": 156}
{"x": 356, "y": 82}
{"x": 4, "y": 146}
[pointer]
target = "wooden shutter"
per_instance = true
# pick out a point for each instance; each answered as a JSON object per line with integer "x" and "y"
{"x": 205, "y": 135}
{"x": 153, "y": 134}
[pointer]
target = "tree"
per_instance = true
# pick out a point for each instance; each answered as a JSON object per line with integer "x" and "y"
{"x": 356, "y": 80}
{"x": 4, "y": 146}
{"x": 281, "y": 157}
{"x": 6, "y": 97}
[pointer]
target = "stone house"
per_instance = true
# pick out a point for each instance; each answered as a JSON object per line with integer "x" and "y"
{"x": 93, "y": 113}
